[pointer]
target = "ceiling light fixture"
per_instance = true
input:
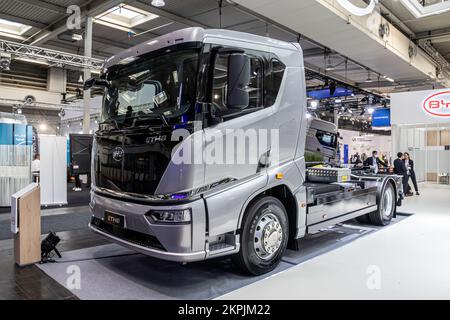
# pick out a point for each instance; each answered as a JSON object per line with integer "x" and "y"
{"x": 158, "y": 3}
{"x": 314, "y": 104}
{"x": 77, "y": 37}
{"x": 371, "y": 110}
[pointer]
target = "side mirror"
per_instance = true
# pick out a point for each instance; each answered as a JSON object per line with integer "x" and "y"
{"x": 238, "y": 81}
{"x": 95, "y": 82}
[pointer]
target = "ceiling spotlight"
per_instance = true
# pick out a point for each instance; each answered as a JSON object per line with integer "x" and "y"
{"x": 158, "y": 3}
{"x": 77, "y": 37}
{"x": 371, "y": 110}
{"x": 68, "y": 125}
{"x": 5, "y": 61}
{"x": 42, "y": 127}
{"x": 337, "y": 101}
{"x": 80, "y": 79}
{"x": 314, "y": 104}
{"x": 19, "y": 111}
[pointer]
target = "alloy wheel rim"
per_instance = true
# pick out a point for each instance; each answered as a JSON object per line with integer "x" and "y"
{"x": 268, "y": 236}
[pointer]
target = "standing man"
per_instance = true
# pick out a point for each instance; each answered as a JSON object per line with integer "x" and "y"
{"x": 374, "y": 162}
{"x": 401, "y": 170}
{"x": 409, "y": 163}
{"x": 36, "y": 167}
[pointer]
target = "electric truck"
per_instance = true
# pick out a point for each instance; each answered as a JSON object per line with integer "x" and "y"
{"x": 162, "y": 184}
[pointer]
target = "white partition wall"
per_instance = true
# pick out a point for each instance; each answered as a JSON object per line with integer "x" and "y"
{"x": 53, "y": 176}
{"x": 421, "y": 126}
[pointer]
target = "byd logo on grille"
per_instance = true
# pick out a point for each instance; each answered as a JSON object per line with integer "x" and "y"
{"x": 438, "y": 104}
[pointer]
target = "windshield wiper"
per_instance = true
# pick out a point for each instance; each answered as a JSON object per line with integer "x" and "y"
{"x": 149, "y": 115}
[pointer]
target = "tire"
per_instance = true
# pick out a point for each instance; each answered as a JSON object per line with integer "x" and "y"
{"x": 265, "y": 218}
{"x": 386, "y": 207}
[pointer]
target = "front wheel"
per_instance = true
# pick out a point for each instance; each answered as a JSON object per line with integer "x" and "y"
{"x": 386, "y": 207}
{"x": 264, "y": 236}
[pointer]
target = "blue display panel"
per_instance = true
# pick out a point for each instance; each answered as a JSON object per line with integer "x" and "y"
{"x": 381, "y": 118}
{"x": 325, "y": 93}
{"x": 20, "y": 135}
{"x": 29, "y": 135}
{"x": 6, "y": 134}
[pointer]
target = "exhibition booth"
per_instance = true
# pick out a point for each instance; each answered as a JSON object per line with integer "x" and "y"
{"x": 353, "y": 142}
{"x": 421, "y": 126}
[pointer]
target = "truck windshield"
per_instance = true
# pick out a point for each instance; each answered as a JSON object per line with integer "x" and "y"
{"x": 162, "y": 86}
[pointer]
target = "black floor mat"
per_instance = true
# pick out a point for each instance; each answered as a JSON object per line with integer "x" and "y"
{"x": 56, "y": 223}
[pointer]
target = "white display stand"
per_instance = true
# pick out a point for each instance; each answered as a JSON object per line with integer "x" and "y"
{"x": 53, "y": 175}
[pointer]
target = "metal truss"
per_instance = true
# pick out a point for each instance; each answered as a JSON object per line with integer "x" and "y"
{"x": 57, "y": 58}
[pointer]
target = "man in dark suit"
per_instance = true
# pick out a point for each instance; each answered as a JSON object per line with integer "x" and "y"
{"x": 409, "y": 163}
{"x": 401, "y": 170}
{"x": 374, "y": 162}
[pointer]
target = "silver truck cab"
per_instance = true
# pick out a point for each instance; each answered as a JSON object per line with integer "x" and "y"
{"x": 174, "y": 98}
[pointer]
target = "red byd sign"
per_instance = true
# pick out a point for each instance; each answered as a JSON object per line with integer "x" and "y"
{"x": 438, "y": 104}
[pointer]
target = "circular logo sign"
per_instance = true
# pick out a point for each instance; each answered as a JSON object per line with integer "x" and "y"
{"x": 358, "y": 11}
{"x": 118, "y": 153}
{"x": 438, "y": 104}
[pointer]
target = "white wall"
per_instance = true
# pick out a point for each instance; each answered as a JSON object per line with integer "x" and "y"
{"x": 361, "y": 143}
{"x": 12, "y": 93}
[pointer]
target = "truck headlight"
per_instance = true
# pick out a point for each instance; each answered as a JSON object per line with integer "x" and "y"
{"x": 170, "y": 216}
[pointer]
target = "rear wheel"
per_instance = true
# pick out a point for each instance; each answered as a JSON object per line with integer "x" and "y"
{"x": 264, "y": 236}
{"x": 386, "y": 207}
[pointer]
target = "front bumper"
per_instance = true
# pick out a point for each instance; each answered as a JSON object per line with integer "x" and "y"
{"x": 173, "y": 242}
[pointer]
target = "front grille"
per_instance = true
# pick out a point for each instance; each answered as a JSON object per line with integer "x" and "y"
{"x": 134, "y": 237}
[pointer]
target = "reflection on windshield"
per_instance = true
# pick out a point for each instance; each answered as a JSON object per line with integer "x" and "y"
{"x": 163, "y": 85}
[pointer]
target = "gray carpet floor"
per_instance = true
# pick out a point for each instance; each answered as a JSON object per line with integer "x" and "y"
{"x": 112, "y": 272}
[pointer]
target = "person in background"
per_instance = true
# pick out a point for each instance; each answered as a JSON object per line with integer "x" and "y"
{"x": 355, "y": 158}
{"x": 409, "y": 163}
{"x": 357, "y": 161}
{"x": 363, "y": 157}
{"x": 374, "y": 162}
{"x": 384, "y": 159}
{"x": 36, "y": 167}
{"x": 401, "y": 170}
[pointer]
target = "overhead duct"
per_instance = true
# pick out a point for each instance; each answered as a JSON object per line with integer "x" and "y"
{"x": 369, "y": 39}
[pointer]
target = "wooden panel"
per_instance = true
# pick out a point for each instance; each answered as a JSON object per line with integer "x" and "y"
{"x": 432, "y": 138}
{"x": 432, "y": 176}
{"x": 445, "y": 138}
{"x": 27, "y": 243}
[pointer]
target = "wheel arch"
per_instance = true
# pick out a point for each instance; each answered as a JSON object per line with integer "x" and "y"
{"x": 283, "y": 193}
